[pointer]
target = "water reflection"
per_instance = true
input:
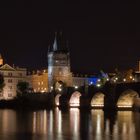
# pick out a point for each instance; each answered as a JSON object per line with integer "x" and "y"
{"x": 39, "y": 122}
{"x": 73, "y": 124}
{"x": 97, "y": 120}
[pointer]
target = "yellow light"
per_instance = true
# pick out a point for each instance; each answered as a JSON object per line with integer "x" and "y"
{"x": 42, "y": 91}
{"x": 99, "y": 105}
{"x": 98, "y": 85}
{"x": 75, "y": 99}
{"x": 124, "y": 106}
{"x": 57, "y": 100}
{"x": 124, "y": 80}
{"x": 59, "y": 89}
{"x": 116, "y": 78}
{"x": 131, "y": 77}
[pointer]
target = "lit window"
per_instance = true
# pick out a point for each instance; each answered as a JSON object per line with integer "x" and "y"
{"x": 9, "y": 80}
{"x": 9, "y": 74}
{"x": 9, "y": 94}
{"x": 20, "y": 74}
{"x": 10, "y": 87}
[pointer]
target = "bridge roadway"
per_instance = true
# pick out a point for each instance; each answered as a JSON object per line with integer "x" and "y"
{"x": 110, "y": 96}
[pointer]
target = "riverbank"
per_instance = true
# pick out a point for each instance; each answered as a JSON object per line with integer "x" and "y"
{"x": 26, "y": 101}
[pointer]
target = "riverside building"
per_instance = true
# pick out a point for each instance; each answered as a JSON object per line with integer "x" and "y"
{"x": 12, "y": 75}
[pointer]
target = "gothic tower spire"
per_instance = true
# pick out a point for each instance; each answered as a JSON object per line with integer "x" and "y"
{"x": 59, "y": 64}
{"x": 55, "y": 47}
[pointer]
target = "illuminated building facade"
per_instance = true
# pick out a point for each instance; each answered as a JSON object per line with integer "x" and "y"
{"x": 12, "y": 75}
{"x": 59, "y": 64}
{"x": 39, "y": 81}
{"x": 58, "y": 72}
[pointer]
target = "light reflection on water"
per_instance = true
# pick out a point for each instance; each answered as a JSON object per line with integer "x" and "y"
{"x": 73, "y": 124}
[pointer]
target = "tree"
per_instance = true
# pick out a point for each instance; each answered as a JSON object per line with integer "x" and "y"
{"x": 22, "y": 87}
{"x": 1, "y": 82}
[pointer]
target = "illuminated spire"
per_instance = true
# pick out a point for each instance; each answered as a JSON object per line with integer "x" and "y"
{"x": 55, "y": 43}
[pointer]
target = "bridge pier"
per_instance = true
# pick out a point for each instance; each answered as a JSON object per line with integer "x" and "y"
{"x": 110, "y": 97}
{"x": 64, "y": 101}
{"x": 85, "y": 102}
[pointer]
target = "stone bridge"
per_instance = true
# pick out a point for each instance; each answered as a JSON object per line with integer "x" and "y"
{"x": 111, "y": 96}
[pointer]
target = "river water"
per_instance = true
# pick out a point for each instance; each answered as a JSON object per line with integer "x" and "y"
{"x": 72, "y": 124}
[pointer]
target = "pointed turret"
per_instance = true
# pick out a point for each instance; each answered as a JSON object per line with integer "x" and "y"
{"x": 59, "y": 43}
{"x": 55, "y": 47}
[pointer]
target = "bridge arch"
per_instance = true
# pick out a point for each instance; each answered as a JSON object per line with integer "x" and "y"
{"x": 97, "y": 100}
{"x": 126, "y": 99}
{"x": 75, "y": 99}
{"x": 57, "y": 102}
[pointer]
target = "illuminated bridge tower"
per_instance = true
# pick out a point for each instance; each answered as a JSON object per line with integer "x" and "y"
{"x": 59, "y": 65}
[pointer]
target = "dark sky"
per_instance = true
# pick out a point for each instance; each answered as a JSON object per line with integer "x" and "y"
{"x": 100, "y": 35}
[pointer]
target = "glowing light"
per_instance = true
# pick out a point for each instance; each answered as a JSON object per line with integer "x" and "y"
{"x": 124, "y": 80}
{"x": 75, "y": 99}
{"x": 75, "y": 121}
{"x": 57, "y": 99}
{"x": 99, "y": 80}
{"x": 59, "y": 89}
{"x": 131, "y": 77}
{"x": 51, "y": 87}
{"x": 107, "y": 79}
{"x": 99, "y": 105}
{"x": 76, "y": 87}
{"x": 91, "y": 83}
{"x": 98, "y": 100}
{"x": 98, "y": 85}
{"x": 126, "y": 100}
{"x": 124, "y": 106}
{"x": 42, "y": 91}
{"x": 116, "y": 78}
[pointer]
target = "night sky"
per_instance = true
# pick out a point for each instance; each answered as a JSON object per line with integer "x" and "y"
{"x": 100, "y": 35}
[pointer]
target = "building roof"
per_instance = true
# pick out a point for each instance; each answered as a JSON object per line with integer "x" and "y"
{"x": 10, "y": 68}
{"x": 7, "y": 67}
